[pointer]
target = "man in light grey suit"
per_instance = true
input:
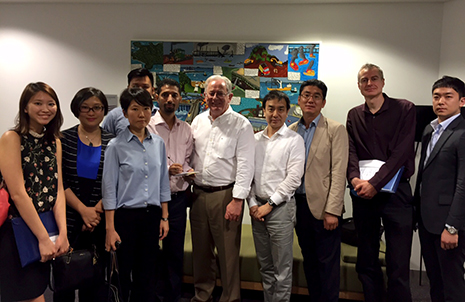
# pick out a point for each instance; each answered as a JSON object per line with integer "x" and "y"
{"x": 320, "y": 198}
{"x": 440, "y": 193}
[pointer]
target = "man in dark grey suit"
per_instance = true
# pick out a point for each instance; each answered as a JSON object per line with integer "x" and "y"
{"x": 440, "y": 192}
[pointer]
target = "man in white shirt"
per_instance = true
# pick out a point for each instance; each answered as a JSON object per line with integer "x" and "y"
{"x": 224, "y": 156}
{"x": 279, "y": 166}
{"x": 178, "y": 139}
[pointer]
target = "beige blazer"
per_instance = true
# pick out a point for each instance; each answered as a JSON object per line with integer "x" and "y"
{"x": 325, "y": 173}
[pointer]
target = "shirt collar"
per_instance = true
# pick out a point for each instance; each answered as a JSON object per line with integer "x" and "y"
{"x": 128, "y": 135}
{"x": 384, "y": 107}
{"x": 444, "y": 124}
{"x": 221, "y": 117}
{"x": 154, "y": 110}
{"x": 313, "y": 123}
{"x": 158, "y": 119}
{"x": 279, "y": 132}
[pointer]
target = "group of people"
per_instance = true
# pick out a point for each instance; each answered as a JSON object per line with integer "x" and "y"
{"x": 125, "y": 186}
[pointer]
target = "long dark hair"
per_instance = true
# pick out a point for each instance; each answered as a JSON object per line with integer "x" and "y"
{"x": 52, "y": 130}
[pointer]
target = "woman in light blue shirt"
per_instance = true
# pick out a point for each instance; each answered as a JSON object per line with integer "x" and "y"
{"x": 135, "y": 191}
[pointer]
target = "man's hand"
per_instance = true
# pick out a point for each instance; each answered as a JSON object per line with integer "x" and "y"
{"x": 330, "y": 221}
{"x": 449, "y": 241}
{"x": 234, "y": 209}
{"x": 175, "y": 169}
{"x": 191, "y": 177}
{"x": 253, "y": 211}
{"x": 363, "y": 188}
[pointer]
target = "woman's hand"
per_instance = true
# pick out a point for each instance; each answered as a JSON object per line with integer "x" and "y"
{"x": 62, "y": 245}
{"x": 47, "y": 249}
{"x": 91, "y": 216}
{"x": 164, "y": 228}
{"x": 110, "y": 241}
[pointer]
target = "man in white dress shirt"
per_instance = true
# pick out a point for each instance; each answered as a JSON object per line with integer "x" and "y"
{"x": 279, "y": 166}
{"x": 224, "y": 156}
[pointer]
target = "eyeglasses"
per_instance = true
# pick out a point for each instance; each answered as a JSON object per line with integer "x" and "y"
{"x": 219, "y": 94}
{"x": 86, "y": 109}
{"x": 315, "y": 97}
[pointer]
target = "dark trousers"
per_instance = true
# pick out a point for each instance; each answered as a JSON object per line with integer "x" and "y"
{"x": 396, "y": 212}
{"x": 171, "y": 264}
{"x": 445, "y": 268}
{"x": 321, "y": 250}
{"x": 139, "y": 230}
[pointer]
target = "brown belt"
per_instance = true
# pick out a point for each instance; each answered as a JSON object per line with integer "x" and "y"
{"x": 210, "y": 189}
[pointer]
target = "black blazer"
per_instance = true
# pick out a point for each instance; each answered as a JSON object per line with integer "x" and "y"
{"x": 442, "y": 179}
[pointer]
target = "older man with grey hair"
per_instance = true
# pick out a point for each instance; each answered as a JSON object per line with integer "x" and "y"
{"x": 224, "y": 156}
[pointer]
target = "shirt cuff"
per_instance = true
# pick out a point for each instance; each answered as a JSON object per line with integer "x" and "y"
{"x": 276, "y": 198}
{"x": 252, "y": 201}
{"x": 240, "y": 192}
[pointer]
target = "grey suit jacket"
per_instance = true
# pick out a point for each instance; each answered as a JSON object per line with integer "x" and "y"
{"x": 440, "y": 186}
{"x": 325, "y": 173}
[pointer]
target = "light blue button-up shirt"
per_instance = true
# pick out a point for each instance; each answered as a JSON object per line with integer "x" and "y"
{"x": 135, "y": 174}
{"x": 307, "y": 134}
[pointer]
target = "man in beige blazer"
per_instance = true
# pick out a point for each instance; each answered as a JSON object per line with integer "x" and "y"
{"x": 320, "y": 198}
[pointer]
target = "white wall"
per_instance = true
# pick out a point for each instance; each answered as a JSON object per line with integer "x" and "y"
{"x": 453, "y": 43}
{"x": 71, "y": 46}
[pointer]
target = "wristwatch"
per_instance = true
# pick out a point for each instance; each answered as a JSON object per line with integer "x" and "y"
{"x": 270, "y": 202}
{"x": 164, "y": 219}
{"x": 451, "y": 229}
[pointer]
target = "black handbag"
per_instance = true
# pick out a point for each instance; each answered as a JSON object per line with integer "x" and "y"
{"x": 112, "y": 280}
{"x": 73, "y": 270}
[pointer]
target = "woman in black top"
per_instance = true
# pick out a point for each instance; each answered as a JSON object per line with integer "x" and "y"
{"x": 83, "y": 152}
{"x": 30, "y": 164}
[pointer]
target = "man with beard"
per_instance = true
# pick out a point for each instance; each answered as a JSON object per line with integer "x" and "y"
{"x": 177, "y": 136}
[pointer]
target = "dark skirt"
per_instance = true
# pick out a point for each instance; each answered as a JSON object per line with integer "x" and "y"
{"x": 17, "y": 283}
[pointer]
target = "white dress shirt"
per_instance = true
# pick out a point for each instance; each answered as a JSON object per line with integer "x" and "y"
{"x": 224, "y": 151}
{"x": 279, "y": 165}
{"x": 178, "y": 143}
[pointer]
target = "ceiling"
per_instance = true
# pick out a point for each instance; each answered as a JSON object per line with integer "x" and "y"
{"x": 222, "y": 1}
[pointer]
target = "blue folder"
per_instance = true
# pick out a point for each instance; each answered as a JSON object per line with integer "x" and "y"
{"x": 391, "y": 186}
{"x": 26, "y": 241}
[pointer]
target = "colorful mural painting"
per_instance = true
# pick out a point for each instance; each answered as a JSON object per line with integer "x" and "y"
{"x": 253, "y": 68}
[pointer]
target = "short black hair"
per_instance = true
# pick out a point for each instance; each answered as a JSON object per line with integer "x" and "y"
{"x": 140, "y": 73}
{"x": 167, "y": 82}
{"x": 317, "y": 83}
{"x": 85, "y": 94}
{"x": 139, "y": 95}
{"x": 276, "y": 95}
{"x": 450, "y": 82}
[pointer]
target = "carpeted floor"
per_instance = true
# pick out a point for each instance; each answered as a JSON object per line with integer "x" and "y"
{"x": 420, "y": 293}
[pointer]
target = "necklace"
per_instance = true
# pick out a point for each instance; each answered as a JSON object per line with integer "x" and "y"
{"x": 35, "y": 134}
{"x": 88, "y": 138}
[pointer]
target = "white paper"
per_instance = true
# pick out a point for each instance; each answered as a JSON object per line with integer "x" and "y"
{"x": 187, "y": 173}
{"x": 368, "y": 168}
